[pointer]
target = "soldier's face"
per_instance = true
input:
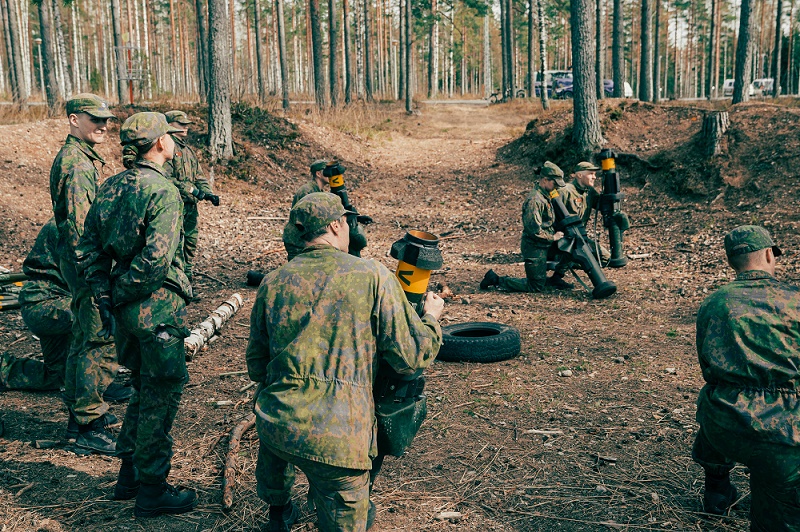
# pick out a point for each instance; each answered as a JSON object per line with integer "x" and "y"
{"x": 548, "y": 184}
{"x": 184, "y": 129}
{"x": 88, "y": 128}
{"x": 169, "y": 146}
{"x": 586, "y": 178}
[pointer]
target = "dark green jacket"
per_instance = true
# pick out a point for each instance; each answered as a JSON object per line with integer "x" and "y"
{"x": 186, "y": 173}
{"x": 42, "y": 268}
{"x": 537, "y": 220}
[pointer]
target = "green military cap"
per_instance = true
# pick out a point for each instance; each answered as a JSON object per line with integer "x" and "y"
{"x": 319, "y": 165}
{"x": 552, "y": 171}
{"x": 89, "y": 104}
{"x": 143, "y": 128}
{"x": 747, "y": 239}
{"x": 316, "y": 211}
{"x": 178, "y": 116}
{"x": 585, "y": 166}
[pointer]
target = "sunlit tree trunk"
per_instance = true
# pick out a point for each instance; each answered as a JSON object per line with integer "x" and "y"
{"x": 776, "y": 53}
{"x": 282, "y": 55}
{"x": 122, "y": 93}
{"x": 368, "y": 89}
{"x": 262, "y": 85}
{"x": 433, "y": 53}
{"x": 617, "y": 48}
{"x": 744, "y": 52}
{"x": 202, "y": 48}
{"x": 487, "y": 56}
{"x": 600, "y": 49}
{"x": 348, "y": 59}
{"x": 646, "y": 60}
{"x": 586, "y": 129}
{"x": 48, "y": 59}
{"x": 542, "y": 55}
{"x": 408, "y": 27}
{"x": 316, "y": 47}
{"x": 333, "y": 56}
{"x": 220, "y": 137}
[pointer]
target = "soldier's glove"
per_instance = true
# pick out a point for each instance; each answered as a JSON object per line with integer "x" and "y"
{"x": 104, "y": 307}
{"x": 213, "y": 198}
{"x": 364, "y": 219}
{"x": 199, "y": 194}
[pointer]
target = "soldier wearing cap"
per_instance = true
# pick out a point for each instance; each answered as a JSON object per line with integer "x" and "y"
{"x": 319, "y": 327}
{"x": 538, "y": 238}
{"x": 130, "y": 256}
{"x": 186, "y": 173}
{"x": 748, "y": 343}
{"x": 91, "y": 363}
{"x": 291, "y": 238}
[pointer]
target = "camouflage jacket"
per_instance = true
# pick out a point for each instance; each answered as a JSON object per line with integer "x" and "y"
{"x": 308, "y": 188}
{"x": 537, "y": 219}
{"x": 319, "y": 327}
{"x": 186, "y": 173}
{"x": 41, "y": 266}
{"x": 133, "y": 236}
{"x": 748, "y": 342}
{"x": 580, "y": 200}
{"x": 73, "y": 187}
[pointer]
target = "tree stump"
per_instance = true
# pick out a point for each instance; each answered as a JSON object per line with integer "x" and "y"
{"x": 715, "y": 125}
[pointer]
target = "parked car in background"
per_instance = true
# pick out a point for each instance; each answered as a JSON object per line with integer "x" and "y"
{"x": 563, "y": 88}
{"x": 764, "y": 87}
{"x": 727, "y": 88}
{"x": 550, "y": 77}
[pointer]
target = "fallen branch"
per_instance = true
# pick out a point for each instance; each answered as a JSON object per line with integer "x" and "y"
{"x": 543, "y": 432}
{"x": 646, "y": 224}
{"x": 201, "y": 274}
{"x": 229, "y": 472}
{"x": 211, "y": 325}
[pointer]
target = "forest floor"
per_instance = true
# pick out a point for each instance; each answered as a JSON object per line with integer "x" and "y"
{"x": 513, "y": 445}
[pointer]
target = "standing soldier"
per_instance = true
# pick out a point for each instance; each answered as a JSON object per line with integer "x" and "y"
{"x": 187, "y": 175}
{"x": 91, "y": 361}
{"x": 130, "y": 256}
{"x": 538, "y": 238}
{"x": 291, "y": 237}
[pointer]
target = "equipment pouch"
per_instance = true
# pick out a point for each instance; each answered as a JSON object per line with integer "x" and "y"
{"x": 398, "y": 423}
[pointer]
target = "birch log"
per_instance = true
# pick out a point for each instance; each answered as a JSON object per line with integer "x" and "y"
{"x": 211, "y": 325}
{"x": 229, "y": 472}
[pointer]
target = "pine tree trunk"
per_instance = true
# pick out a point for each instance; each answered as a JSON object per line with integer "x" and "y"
{"x": 503, "y": 50}
{"x": 710, "y": 88}
{"x": 333, "y": 56}
{"x": 531, "y": 80}
{"x": 202, "y": 48}
{"x": 776, "y": 61}
{"x": 433, "y": 53}
{"x": 646, "y": 60}
{"x": 368, "y": 89}
{"x": 220, "y": 137}
{"x": 600, "y": 49}
{"x": 542, "y": 55}
{"x": 586, "y": 129}
{"x": 262, "y": 85}
{"x": 282, "y": 55}
{"x": 487, "y": 57}
{"x": 657, "y": 56}
{"x": 119, "y": 56}
{"x": 408, "y": 26}
{"x": 617, "y": 48}
{"x": 316, "y": 47}
{"x": 15, "y": 58}
{"x": 348, "y": 59}
{"x": 48, "y": 60}
{"x": 744, "y": 52}
{"x": 401, "y": 79}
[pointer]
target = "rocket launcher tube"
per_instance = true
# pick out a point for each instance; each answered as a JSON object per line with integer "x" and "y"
{"x": 577, "y": 246}
{"x": 417, "y": 254}
{"x": 614, "y": 220}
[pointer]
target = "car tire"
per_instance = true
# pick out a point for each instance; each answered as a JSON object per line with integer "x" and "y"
{"x": 566, "y": 95}
{"x": 479, "y": 341}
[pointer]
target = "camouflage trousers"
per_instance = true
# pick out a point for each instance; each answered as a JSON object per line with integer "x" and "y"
{"x": 565, "y": 264}
{"x": 340, "y": 495}
{"x": 51, "y": 321}
{"x": 92, "y": 361}
{"x": 774, "y": 474}
{"x": 535, "y": 273}
{"x": 190, "y": 236}
{"x": 150, "y": 337}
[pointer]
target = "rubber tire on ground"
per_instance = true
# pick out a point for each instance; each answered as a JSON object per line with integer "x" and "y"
{"x": 479, "y": 341}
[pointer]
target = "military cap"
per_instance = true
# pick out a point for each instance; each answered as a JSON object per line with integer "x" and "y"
{"x": 585, "y": 166}
{"x": 316, "y": 211}
{"x": 319, "y": 165}
{"x": 552, "y": 171}
{"x": 89, "y": 104}
{"x": 747, "y": 239}
{"x": 179, "y": 117}
{"x": 144, "y": 128}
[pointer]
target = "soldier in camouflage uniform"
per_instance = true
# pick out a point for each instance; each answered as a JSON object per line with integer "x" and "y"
{"x": 91, "y": 363}
{"x": 319, "y": 327}
{"x": 45, "y": 305}
{"x": 538, "y": 239}
{"x": 748, "y": 342}
{"x": 580, "y": 198}
{"x": 130, "y": 256}
{"x": 291, "y": 237}
{"x": 187, "y": 175}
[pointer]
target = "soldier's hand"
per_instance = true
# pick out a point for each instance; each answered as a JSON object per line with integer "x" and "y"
{"x": 558, "y": 236}
{"x": 104, "y": 307}
{"x": 434, "y": 305}
{"x": 364, "y": 219}
{"x": 213, "y": 198}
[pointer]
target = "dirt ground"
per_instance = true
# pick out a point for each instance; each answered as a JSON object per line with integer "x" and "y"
{"x": 512, "y": 446}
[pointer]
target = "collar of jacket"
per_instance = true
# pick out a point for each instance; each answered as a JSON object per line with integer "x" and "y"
{"x": 750, "y": 275}
{"x": 144, "y": 163}
{"x": 179, "y": 141}
{"x": 578, "y": 186}
{"x": 319, "y": 247}
{"x": 85, "y": 148}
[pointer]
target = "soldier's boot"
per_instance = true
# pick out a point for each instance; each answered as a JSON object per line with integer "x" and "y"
{"x": 127, "y": 482}
{"x": 373, "y": 510}
{"x": 117, "y": 393}
{"x": 157, "y": 499}
{"x": 719, "y": 494}
{"x": 71, "y": 434}
{"x": 557, "y": 281}
{"x": 281, "y": 518}
{"x": 95, "y": 437}
{"x": 490, "y": 279}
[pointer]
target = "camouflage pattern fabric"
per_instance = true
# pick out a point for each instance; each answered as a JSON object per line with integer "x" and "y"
{"x": 580, "y": 200}
{"x": 90, "y": 365}
{"x": 137, "y": 227}
{"x": 292, "y": 241}
{"x": 535, "y": 274}
{"x": 150, "y": 335}
{"x": 319, "y": 327}
{"x": 23, "y": 373}
{"x": 187, "y": 174}
{"x": 748, "y": 343}
{"x": 340, "y": 495}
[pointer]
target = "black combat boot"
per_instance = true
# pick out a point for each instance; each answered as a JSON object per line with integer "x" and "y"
{"x": 71, "y": 434}
{"x": 117, "y": 393}
{"x": 281, "y": 518}
{"x": 490, "y": 279}
{"x": 156, "y": 499}
{"x": 719, "y": 494}
{"x": 373, "y": 510}
{"x": 557, "y": 281}
{"x": 127, "y": 482}
{"x": 96, "y": 438}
